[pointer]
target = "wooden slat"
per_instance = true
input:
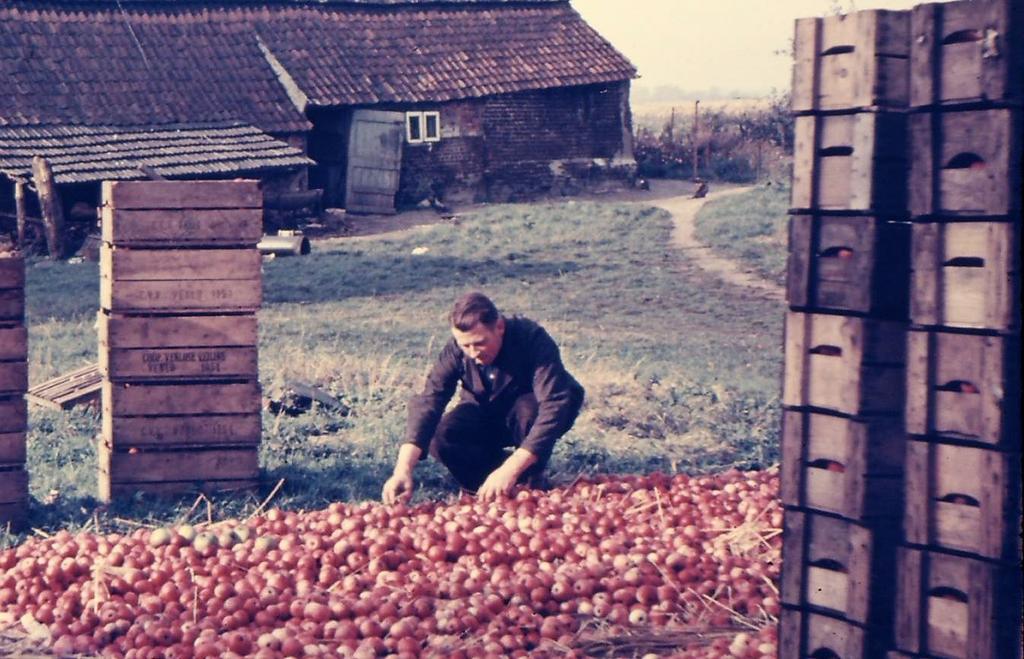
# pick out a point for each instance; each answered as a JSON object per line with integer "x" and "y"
{"x": 963, "y": 498}
{"x": 13, "y": 414}
{"x": 14, "y": 515}
{"x": 181, "y": 194}
{"x": 188, "y": 363}
{"x": 169, "y": 431}
{"x": 180, "y": 399}
{"x": 180, "y": 296}
{"x": 12, "y": 448}
{"x": 13, "y": 343}
{"x": 182, "y": 228}
{"x": 121, "y": 331}
{"x": 12, "y": 272}
{"x": 110, "y": 489}
{"x": 807, "y": 634}
{"x": 132, "y": 264}
{"x": 194, "y": 464}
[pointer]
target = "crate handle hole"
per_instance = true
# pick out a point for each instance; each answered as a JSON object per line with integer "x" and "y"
{"x": 828, "y": 465}
{"x": 839, "y": 251}
{"x": 945, "y": 592}
{"x": 824, "y": 653}
{"x": 962, "y": 36}
{"x": 831, "y": 151}
{"x": 961, "y": 500}
{"x": 966, "y": 160}
{"x": 838, "y": 50}
{"x": 965, "y": 262}
{"x": 960, "y": 387}
{"x": 829, "y": 564}
{"x": 827, "y": 351}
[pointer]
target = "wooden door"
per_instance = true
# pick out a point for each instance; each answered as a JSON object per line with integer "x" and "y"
{"x": 374, "y": 161}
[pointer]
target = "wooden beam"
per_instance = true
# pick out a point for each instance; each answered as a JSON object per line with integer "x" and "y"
{"x": 20, "y": 209}
{"x": 49, "y": 203}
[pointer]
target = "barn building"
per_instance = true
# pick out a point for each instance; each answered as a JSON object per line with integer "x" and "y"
{"x": 374, "y": 102}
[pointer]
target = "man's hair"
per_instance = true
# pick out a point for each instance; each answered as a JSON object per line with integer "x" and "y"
{"x": 473, "y": 308}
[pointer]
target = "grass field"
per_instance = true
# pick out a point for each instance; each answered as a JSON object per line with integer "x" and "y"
{"x": 681, "y": 372}
{"x": 750, "y": 228}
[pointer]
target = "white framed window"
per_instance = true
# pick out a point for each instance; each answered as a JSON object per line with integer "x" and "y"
{"x": 422, "y": 127}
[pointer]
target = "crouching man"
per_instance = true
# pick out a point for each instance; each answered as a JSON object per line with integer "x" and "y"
{"x": 515, "y": 394}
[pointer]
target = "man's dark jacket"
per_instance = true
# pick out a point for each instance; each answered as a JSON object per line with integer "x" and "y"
{"x": 528, "y": 362}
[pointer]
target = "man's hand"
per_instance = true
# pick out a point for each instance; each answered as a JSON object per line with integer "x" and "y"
{"x": 399, "y": 486}
{"x": 499, "y": 483}
{"x": 503, "y": 479}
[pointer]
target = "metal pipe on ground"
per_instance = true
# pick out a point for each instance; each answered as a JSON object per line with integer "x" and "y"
{"x": 284, "y": 245}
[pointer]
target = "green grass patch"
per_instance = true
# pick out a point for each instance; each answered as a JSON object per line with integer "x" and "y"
{"x": 749, "y": 227}
{"x": 681, "y": 373}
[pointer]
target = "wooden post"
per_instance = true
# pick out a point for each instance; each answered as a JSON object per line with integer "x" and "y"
{"x": 49, "y": 203}
{"x": 20, "y": 210}
{"x": 696, "y": 134}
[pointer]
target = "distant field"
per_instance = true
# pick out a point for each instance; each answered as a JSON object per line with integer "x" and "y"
{"x": 653, "y": 115}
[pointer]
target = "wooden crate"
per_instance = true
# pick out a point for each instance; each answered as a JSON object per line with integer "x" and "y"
{"x": 121, "y": 264}
{"x": 13, "y": 414}
{"x": 850, "y": 162}
{"x": 13, "y": 377}
{"x": 851, "y": 62}
{"x": 859, "y": 264}
{"x": 963, "y": 498}
{"x": 809, "y": 635}
{"x": 964, "y": 386}
{"x": 177, "y": 471}
{"x": 13, "y": 343}
{"x": 181, "y": 194}
{"x": 843, "y": 363}
{"x": 954, "y": 606}
{"x": 184, "y": 399}
{"x": 181, "y": 363}
{"x": 965, "y": 164}
{"x": 13, "y": 356}
{"x": 13, "y": 498}
{"x": 965, "y": 52}
{"x": 12, "y": 449}
{"x": 12, "y": 305}
{"x": 186, "y": 228}
{"x": 966, "y": 274}
{"x": 120, "y": 331}
{"x": 850, "y": 467}
{"x": 834, "y": 565}
{"x": 184, "y": 430}
{"x": 12, "y": 272}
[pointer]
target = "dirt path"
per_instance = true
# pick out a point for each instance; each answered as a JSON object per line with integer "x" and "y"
{"x": 684, "y": 211}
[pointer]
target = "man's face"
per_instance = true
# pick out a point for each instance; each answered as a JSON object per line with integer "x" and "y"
{"x": 481, "y": 342}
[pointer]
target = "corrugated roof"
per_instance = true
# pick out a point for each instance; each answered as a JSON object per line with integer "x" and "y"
{"x": 79, "y": 154}
{"x": 143, "y": 63}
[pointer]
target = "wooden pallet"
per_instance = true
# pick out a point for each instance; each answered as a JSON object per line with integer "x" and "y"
{"x": 13, "y": 497}
{"x": 859, "y": 264}
{"x": 856, "y": 61}
{"x": 840, "y": 465}
{"x": 79, "y": 387}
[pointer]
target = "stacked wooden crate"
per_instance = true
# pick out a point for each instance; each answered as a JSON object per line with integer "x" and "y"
{"x": 848, "y": 279}
{"x": 180, "y": 287}
{"x": 959, "y": 569}
{"x": 13, "y": 383}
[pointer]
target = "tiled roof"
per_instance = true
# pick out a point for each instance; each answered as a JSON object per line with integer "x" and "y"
{"x": 79, "y": 154}
{"x": 140, "y": 63}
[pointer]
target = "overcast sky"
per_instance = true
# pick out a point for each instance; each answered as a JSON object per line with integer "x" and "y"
{"x": 701, "y": 44}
